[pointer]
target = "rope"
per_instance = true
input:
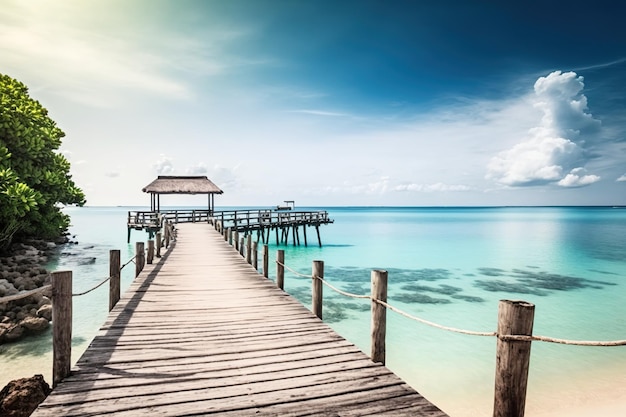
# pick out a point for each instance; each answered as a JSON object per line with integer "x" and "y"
{"x": 88, "y": 291}
{"x": 563, "y": 341}
{"x": 24, "y": 294}
{"x": 129, "y": 261}
{"x": 462, "y": 331}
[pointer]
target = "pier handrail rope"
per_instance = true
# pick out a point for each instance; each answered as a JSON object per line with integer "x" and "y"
{"x": 129, "y": 261}
{"x": 462, "y": 331}
{"x": 24, "y": 294}
{"x": 91, "y": 289}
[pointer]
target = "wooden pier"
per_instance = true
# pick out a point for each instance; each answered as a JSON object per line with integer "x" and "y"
{"x": 200, "y": 332}
{"x": 260, "y": 221}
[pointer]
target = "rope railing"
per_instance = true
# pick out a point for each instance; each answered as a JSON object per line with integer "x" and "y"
{"x": 24, "y": 294}
{"x": 92, "y": 289}
{"x": 131, "y": 260}
{"x": 456, "y": 330}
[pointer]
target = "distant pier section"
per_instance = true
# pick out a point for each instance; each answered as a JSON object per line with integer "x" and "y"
{"x": 282, "y": 223}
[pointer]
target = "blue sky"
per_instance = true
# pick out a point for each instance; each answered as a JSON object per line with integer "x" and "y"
{"x": 333, "y": 102}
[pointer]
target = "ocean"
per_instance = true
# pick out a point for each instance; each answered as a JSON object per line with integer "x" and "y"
{"x": 450, "y": 266}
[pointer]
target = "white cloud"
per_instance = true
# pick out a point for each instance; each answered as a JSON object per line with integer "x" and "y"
{"x": 164, "y": 166}
{"x": 320, "y": 113}
{"x": 554, "y": 151}
{"x": 112, "y": 174}
{"x": 577, "y": 178}
{"x": 622, "y": 178}
{"x": 429, "y": 188}
{"x": 198, "y": 169}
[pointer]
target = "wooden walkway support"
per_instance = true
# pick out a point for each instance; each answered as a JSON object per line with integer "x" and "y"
{"x": 201, "y": 332}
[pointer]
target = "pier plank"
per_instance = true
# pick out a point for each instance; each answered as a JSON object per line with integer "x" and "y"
{"x": 201, "y": 332}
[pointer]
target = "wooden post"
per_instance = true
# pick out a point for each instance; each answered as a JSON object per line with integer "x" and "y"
{"x": 242, "y": 246}
{"x": 139, "y": 257}
{"x": 512, "y": 358}
{"x": 255, "y": 255}
{"x": 226, "y": 232}
{"x": 249, "y": 249}
{"x": 159, "y": 242}
{"x": 61, "y": 325}
{"x": 379, "y": 315}
{"x": 318, "y": 272}
{"x": 150, "y": 251}
{"x": 168, "y": 232}
{"x": 280, "y": 269}
{"x": 114, "y": 280}
{"x": 236, "y": 240}
{"x": 266, "y": 261}
{"x": 230, "y": 236}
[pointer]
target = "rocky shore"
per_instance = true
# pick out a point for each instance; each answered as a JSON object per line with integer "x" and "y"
{"x": 22, "y": 270}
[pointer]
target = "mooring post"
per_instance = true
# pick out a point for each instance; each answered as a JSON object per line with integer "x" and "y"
{"x": 379, "y": 315}
{"x": 318, "y": 274}
{"x": 168, "y": 233}
{"x": 226, "y": 232}
{"x": 159, "y": 242}
{"x": 150, "y": 251}
{"x": 255, "y": 255}
{"x": 61, "y": 325}
{"x": 236, "y": 240}
{"x": 114, "y": 277}
{"x": 266, "y": 261}
{"x": 242, "y": 246}
{"x": 139, "y": 257}
{"x": 512, "y": 357}
{"x": 249, "y": 249}
{"x": 280, "y": 269}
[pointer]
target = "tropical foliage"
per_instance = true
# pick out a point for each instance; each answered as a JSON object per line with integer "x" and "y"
{"x": 34, "y": 176}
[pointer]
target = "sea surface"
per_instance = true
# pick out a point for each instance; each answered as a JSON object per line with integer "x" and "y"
{"x": 450, "y": 266}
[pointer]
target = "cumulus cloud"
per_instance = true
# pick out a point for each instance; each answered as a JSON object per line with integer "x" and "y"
{"x": 199, "y": 169}
{"x": 164, "y": 165}
{"x": 554, "y": 151}
{"x": 577, "y": 178}
{"x": 622, "y": 178}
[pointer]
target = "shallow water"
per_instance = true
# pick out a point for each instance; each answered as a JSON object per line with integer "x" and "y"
{"x": 447, "y": 265}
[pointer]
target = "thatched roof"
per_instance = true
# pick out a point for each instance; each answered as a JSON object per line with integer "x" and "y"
{"x": 182, "y": 185}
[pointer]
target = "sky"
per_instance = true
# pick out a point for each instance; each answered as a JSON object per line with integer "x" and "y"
{"x": 332, "y": 103}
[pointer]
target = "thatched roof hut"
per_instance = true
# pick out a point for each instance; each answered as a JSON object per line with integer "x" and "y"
{"x": 181, "y": 185}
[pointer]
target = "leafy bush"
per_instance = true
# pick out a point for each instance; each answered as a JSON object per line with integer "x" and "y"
{"x": 34, "y": 176}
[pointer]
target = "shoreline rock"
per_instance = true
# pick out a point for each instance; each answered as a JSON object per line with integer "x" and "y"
{"x": 20, "y": 397}
{"x": 23, "y": 269}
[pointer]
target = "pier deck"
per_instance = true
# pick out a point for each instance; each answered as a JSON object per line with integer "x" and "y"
{"x": 201, "y": 332}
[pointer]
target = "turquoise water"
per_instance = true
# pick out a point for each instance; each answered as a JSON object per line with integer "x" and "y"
{"x": 446, "y": 265}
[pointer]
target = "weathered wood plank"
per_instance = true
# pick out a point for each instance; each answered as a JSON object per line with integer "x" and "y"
{"x": 201, "y": 332}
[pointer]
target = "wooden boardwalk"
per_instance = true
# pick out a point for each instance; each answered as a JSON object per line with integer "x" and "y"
{"x": 201, "y": 332}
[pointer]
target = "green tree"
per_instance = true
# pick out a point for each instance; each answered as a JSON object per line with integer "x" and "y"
{"x": 34, "y": 176}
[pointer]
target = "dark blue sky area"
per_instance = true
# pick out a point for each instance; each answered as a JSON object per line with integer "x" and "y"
{"x": 411, "y": 51}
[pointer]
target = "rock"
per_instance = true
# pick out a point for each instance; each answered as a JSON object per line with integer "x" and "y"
{"x": 13, "y": 333}
{"x": 19, "y": 398}
{"x": 34, "y": 324}
{"x": 45, "y": 311}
